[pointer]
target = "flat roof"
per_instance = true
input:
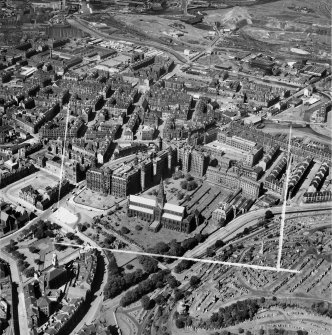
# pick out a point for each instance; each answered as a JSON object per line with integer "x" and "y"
{"x": 174, "y": 208}
{"x": 142, "y": 200}
{"x": 241, "y": 139}
{"x": 172, "y": 217}
{"x": 141, "y": 209}
{"x": 154, "y": 224}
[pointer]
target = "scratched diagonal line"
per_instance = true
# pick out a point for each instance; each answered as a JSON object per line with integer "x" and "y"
{"x": 202, "y": 260}
{"x": 283, "y": 214}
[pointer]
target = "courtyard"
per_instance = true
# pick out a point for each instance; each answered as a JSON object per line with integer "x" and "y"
{"x": 96, "y": 200}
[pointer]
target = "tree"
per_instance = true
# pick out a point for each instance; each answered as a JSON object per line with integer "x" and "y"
{"x": 172, "y": 282}
{"x": 150, "y": 265}
{"x": 178, "y": 295}
{"x": 125, "y": 230}
{"x": 49, "y": 233}
{"x": 70, "y": 235}
{"x": 189, "y": 177}
{"x": 184, "y": 184}
{"x": 160, "y": 248}
{"x": 268, "y": 215}
{"x": 60, "y": 247}
{"x": 262, "y": 300}
{"x": 175, "y": 248}
{"x": 33, "y": 249}
{"x": 214, "y": 162}
{"x": 210, "y": 252}
{"x": 109, "y": 239}
{"x": 177, "y": 175}
{"x": 219, "y": 244}
{"x": 160, "y": 299}
{"x": 183, "y": 265}
{"x": 189, "y": 243}
{"x": 146, "y": 302}
{"x": 82, "y": 227}
{"x": 191, "y": 185}
{"x": 194, "y": 281}
{"x": 29, "y": 272}
{"x": 179, "y": 323}
{"x": 246, "y": 231}
{"x": 180, "y": 196}
{"x": 200, "y": 237}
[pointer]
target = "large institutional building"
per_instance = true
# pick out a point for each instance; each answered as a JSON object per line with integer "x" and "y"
{"x": 134, "y": 177}
{"x": 160, "y": 213}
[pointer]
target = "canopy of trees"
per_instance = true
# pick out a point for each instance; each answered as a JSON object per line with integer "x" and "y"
{"x": 146, "y": 302}
{"x": 119, "y": 281}
{"x": 145, "y": 287}
{"x": 43, "y": 229}
{"x": 149, "y": 264}
{"x": 194, "y": 281}
{"x": 234, "y": 314}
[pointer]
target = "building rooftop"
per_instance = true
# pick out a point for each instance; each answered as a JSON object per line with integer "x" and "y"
{"x": 143, "y": 200}
{"x": 174, "y": 208}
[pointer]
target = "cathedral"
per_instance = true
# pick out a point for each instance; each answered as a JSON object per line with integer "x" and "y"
{"x": 159, "y": 213}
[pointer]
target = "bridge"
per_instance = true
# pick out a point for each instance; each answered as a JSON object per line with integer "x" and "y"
{"x": 208, "y": 51}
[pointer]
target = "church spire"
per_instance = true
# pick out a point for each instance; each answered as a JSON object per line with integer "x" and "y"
{"x": 161, "y": 197}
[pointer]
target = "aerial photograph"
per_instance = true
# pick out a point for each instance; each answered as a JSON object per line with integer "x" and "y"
{"x": 165, "y": 167}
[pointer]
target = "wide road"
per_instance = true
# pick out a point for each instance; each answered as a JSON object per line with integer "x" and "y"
{"x": 80, "y": 24}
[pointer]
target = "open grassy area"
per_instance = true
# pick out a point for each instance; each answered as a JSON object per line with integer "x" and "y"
{"x": 158, "y": 26}
{"x": 143, "y": 237}
{"x": 171, "y": 188}
{"x": 94, "y": 199}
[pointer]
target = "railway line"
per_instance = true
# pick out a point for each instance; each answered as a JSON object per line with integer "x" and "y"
{"x": 78, "y": 23}
{"x": 237, "y": 226}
